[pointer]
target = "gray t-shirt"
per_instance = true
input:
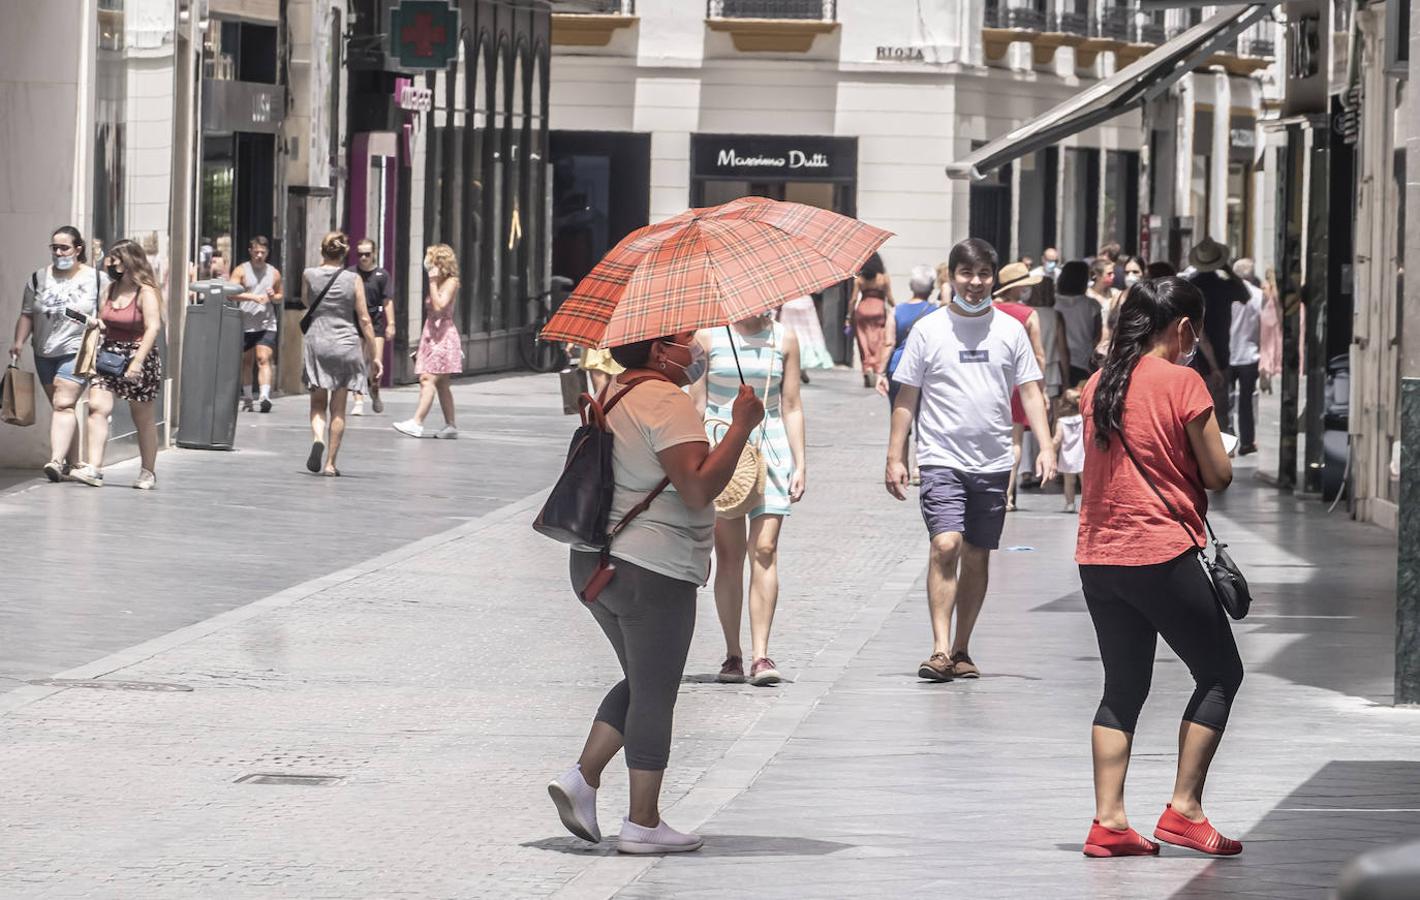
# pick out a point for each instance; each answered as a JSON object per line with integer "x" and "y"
{"x": 258, "y": 316}
{"x": 46, "y": 297}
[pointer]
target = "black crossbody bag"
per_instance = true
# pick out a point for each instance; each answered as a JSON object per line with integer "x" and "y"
{"x": 1229, "y": 585}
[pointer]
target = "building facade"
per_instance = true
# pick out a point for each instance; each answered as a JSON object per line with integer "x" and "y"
{"x": 455, "y": 154}
{"x": 857, "y": 106}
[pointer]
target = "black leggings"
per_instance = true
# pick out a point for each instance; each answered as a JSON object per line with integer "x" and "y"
{"x": 1131, "y": 606}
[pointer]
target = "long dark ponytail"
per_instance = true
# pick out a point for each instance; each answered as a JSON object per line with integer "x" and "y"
{"x": 1151, "y": 306}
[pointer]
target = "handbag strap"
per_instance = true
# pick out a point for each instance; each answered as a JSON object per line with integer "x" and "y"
{"x": 646, "y": 501}
{"x": 1143, "y": 473}
{"x": 323, "y": 291}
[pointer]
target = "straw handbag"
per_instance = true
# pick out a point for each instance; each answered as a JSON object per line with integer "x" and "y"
{"x": 746, "y": 487}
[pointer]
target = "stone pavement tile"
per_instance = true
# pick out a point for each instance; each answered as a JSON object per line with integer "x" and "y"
{"x": 443, "y": 689}
{"x": 939, "y": 774}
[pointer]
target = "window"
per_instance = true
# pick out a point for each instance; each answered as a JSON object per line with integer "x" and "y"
{"x": 1039, "y": 185}
{"x": 990, "y": 210}
{"x": 1121, "y": 199}
{"x": 1081, "y": 201}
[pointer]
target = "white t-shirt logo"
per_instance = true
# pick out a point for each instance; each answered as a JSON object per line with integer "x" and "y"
{"x": 975, "y": 356}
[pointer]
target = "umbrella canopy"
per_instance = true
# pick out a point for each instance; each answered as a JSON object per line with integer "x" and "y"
{"x": 712, "y": 266}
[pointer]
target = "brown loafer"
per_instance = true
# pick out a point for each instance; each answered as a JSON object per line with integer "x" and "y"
{"x": 937, "y": 667}
{"x": 963, "y": 667}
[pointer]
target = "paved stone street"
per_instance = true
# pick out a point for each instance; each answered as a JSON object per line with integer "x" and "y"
{"x": 442, "y": 672}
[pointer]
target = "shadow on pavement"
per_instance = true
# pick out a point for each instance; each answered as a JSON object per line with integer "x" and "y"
{"x": 729, "y": 845}
{"x": 1299, "y": 848}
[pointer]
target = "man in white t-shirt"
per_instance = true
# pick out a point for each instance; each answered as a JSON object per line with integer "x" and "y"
{"x": 1244, "y": 351}
{"x": 955, "y": 380}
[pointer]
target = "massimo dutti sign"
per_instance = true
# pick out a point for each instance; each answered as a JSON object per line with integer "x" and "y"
{"x": 809, "y": 158}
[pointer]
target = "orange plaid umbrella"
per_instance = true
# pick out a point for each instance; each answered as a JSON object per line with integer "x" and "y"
{"x": 712, "y": 266}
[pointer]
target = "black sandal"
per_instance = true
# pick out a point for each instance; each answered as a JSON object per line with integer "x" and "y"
{"x": 313, "y": 461}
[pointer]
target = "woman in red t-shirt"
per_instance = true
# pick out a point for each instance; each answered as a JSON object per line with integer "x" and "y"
{"x": 1138, "y": 564}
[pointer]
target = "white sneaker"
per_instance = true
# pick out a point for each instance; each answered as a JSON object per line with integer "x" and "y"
{"x": 358, "y": 407}
{"x": 661, "y": 839}
{"x": 410, "y": 427}
{"x": 448, "y": 433}
{"x": 576, "y": 803}
{"x": 147, "y": 481}
{"x": 88, "y": 475}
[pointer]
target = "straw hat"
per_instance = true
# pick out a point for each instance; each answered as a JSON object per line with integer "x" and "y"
{"x": 1015, "y": 275}
{"x": 1209, "y": 256}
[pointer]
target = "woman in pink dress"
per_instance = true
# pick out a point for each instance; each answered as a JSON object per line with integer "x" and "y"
{"x": 1270, "y": 350}
{"x": 440, "y": 353}
{"x": 867, "y": 316}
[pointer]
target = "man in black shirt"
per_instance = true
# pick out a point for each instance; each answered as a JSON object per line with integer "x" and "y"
{"x": 1209, "y": 271}
{"x": 379, "y": 300}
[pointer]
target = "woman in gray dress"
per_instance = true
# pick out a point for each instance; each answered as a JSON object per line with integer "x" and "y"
{"x": 334, "y": 357}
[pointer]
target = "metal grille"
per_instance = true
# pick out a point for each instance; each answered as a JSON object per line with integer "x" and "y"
{"x": 603, "y": 8}
{"x": 1026, "y": 14}
{"x": 808, "y": 10}
{"x": 1113, "y": 23}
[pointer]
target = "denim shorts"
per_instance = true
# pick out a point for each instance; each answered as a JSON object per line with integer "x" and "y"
{"x": 51, "y": 367}
{"x": 972, "y": 504}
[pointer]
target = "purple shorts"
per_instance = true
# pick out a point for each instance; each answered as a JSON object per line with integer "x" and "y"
{"x": 970, "y": 503}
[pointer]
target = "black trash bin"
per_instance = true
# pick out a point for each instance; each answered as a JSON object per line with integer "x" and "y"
{"x": 211, "y": 368}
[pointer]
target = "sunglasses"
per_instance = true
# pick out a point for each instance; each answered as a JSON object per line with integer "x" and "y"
{"x": 365, "y": 254}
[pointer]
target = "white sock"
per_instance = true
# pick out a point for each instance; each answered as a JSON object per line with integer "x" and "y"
{"x": 266, "y": 392}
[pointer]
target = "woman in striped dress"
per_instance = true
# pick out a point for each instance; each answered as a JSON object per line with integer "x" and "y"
{"x": 769, "y": 355}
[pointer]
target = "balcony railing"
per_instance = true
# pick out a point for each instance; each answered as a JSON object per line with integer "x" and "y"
{"x": 602, "y": 8}
{"x": 1025, "y": 14}
{"x": 798, "y": 10}
{"x": 1076, "y": 23}
{"x": 1114, "y": 23}
{"x": 1152, "y": 33}
{"x": 1258, "y": 40}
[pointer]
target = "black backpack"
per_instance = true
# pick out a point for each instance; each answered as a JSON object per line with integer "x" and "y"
{"x": 579, "y": 507}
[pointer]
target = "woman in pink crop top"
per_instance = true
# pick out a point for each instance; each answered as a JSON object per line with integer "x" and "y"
{"x": 131, "y": 313}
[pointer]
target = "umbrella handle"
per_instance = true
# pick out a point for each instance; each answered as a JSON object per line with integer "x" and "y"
{"x": 736, "y": 353}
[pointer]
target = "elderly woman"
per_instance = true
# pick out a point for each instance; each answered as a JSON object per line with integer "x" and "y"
{"x": 662, "y": 556}
{"x": 334, "y": 355}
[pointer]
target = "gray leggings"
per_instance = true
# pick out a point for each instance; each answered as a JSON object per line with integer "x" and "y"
{"x": 649, "y": 619}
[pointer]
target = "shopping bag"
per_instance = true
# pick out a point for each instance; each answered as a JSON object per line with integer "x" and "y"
{"x": 85, "y": 362}
{"x": 18, "y": 406}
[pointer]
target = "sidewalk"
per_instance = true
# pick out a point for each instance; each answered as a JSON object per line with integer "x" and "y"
{"x": 444, "y": 681}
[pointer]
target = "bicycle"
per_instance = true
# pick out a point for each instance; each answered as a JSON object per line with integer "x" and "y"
{"x": 537, "y": 354}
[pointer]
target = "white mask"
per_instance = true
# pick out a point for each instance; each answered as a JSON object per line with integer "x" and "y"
{"x": 968, "y": 306}
{"x": 1130, "y": 279}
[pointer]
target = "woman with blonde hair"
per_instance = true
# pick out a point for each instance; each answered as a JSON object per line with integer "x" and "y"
{"x": 440, "y": 346}
{"x": 128, "y": 365}
{"x": 336, "y": 323}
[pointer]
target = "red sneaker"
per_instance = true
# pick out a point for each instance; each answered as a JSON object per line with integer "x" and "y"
{"x": 1174, "y": 828}
{"x": 1103, "y": 842}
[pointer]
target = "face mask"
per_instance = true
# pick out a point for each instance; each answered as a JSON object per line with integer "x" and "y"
{"x": 64, "y": 263}
{"x": 114, "y": 273}
{"x": 695, "y": 370}
{"x": 1187, "y": 358}
{"x": 970, "y": 307}
{"x": 1050, "y": 266}
{"x": 1130, "y": 279}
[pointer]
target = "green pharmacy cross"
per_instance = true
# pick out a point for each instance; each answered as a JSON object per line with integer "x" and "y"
{"x": 424, "y": 34}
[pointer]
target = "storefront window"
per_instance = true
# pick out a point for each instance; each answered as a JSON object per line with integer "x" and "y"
{"x": 1240, "y": 208}
{"x": 1036, "y": 213}
{"x": 1081, "y": 202}
{"x": 1121, "y": 199}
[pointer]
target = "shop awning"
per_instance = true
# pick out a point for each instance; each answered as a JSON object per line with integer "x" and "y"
{"x": 1131, "y": 86}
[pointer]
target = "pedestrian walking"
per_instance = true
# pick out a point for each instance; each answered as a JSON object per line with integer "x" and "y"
{"x": 338, "y": 328}
{"x": 1244, "y": 356}
{"x": 867, "y": 316}
{"x": 1152, "y": 447}
{"x": 800, "y": 315}
{"x": 128, "y": 365}
{"x": 955, "y": 380}
{"x": 54, "y": 296}
{"x": 1210, "y": 272}
{"x": 1269, "y": 360}
{"x": 661, "y": 557}
{"x": 260, "y": 299}
{"x": 766, "y": 355}
{"x": 1134, "y": 269}
{"x": 900, "y": 324}
{"x": 379, "y": 302}
{"x": 1084, "y": 323}
{"x": 1016, "y": 284}
{"x": 1101, "y": 291}
{"x": 440, "y": 354}
{"x": 1049, "y": 264}
{"x": 1070, "y": 444}
{"x": 1053, "y": 339}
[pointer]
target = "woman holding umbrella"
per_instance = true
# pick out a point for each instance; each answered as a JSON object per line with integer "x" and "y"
{"x": 645, "y": 301}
